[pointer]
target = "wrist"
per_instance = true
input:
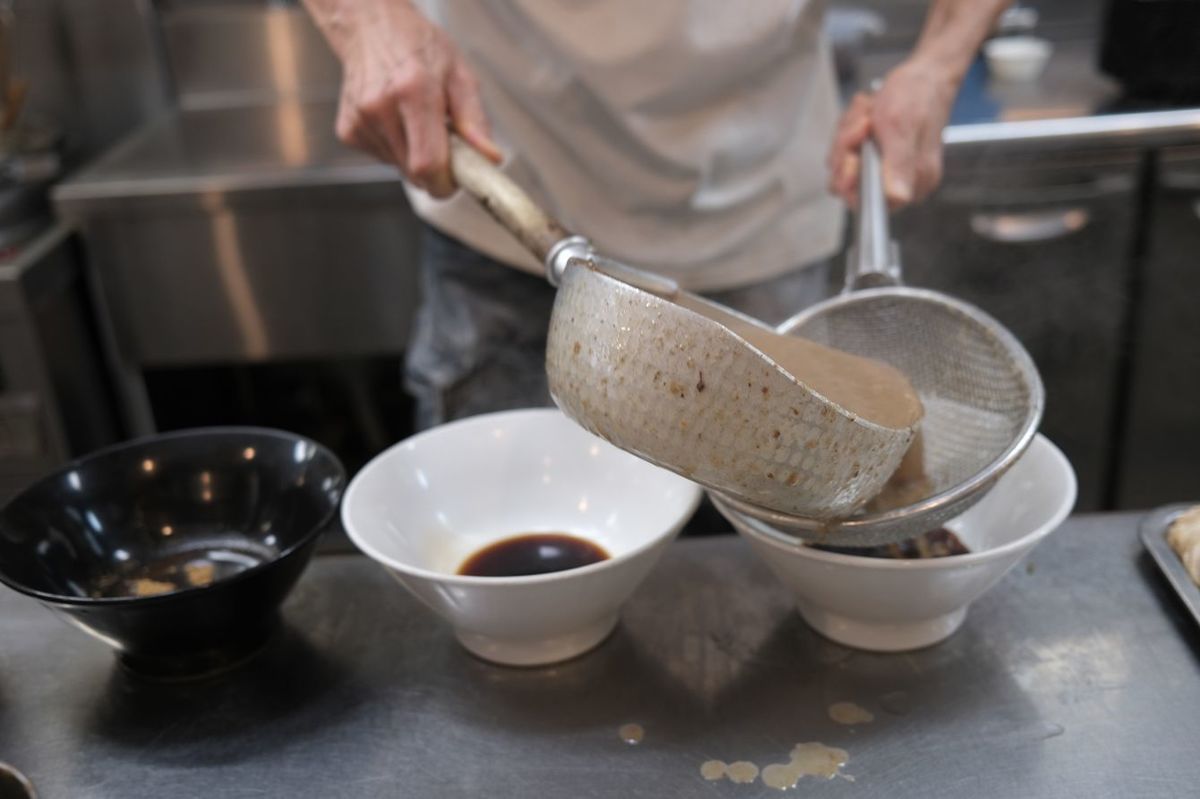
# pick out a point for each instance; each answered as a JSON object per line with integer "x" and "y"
{"x": 943, "y": 71}
{"x": 345, "y": 22}
{"x": 953, "y": 32}
{"x": 945, "y": 68}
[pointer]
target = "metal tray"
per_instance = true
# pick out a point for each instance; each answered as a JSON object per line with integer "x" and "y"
{"x": 1154, "y": 536}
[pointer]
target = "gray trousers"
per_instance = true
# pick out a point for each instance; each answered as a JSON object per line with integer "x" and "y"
{"x": 479, "y": 340}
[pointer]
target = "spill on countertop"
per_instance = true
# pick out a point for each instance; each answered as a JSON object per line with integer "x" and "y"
{"x": 631, "y": 734}
{"x": 742, "y": 771}
{"x": 849, "y": 713}
{"x": 808, "y": 760}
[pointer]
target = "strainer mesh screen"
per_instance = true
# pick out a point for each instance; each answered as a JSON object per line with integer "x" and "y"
{"x": 977, "y": 393}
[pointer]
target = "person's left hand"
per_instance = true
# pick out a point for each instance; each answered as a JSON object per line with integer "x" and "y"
{"x": 905, "y": 117}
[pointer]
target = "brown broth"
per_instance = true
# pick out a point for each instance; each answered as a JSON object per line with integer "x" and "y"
{"x": 869, "y": 388}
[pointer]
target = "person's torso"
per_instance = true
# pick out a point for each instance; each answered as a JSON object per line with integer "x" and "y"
{"x": 686, "y": 136}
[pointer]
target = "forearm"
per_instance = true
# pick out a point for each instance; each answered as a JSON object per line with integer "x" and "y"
{"x": 341, "y": 20}
{"x": 953, "y": 31}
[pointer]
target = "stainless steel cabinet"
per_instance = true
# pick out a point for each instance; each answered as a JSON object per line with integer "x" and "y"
{"x": 1045, "y": 249}
{"x": 244, "y": 235}
{"x": 1161, "y": 446}
{"x": 266, "y": 275}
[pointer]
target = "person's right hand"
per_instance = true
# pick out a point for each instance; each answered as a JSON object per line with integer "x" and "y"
{"x": 905, "y": 117}
{"x": 404, "y": 80}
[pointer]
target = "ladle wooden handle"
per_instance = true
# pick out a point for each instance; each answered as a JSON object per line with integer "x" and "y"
{"x": 507, "y": 202}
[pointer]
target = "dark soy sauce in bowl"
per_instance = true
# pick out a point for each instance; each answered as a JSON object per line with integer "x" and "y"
{"x": 532, "y": 553}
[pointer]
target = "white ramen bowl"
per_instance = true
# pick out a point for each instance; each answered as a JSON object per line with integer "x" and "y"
{"x": 425, "y": 505}
{"x": 887, "y": 605}
{"x": 1017, "y": 59}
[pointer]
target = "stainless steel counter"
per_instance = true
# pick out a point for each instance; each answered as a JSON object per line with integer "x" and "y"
{"x": 220, "y": 151}
{"x": 1077, "y": 676}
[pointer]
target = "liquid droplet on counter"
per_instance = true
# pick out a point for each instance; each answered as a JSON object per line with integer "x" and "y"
{"x": 850, "y": 713}
{"x": 780, "y": 776}
{"x": 742, "y": 771}
{"x": 897, "y": 703}
{"x": 808, "y": 760}
{"x": 631, "y": 734}
{"x": 713, "y": 770}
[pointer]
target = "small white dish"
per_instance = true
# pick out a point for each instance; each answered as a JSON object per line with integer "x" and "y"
{"x": 425, "y": 505}
{"x": 886, "y": 605}
{"x": 1017, "y": 59}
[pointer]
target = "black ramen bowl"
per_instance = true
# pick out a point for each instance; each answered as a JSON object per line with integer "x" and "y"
{"x": 178, "y": 549}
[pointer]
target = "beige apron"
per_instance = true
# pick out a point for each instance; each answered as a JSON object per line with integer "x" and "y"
{"x": 686, "y": 136}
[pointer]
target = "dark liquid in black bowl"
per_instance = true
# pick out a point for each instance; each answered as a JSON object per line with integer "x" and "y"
{"x": 535, "y": 553}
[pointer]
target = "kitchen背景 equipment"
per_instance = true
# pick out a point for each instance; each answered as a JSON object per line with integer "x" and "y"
{"x": 982, "y": 394}
{"x": 698, "y": 388}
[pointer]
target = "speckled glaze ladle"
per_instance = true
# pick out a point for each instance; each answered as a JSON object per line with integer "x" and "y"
{"x": 776, "y": 421}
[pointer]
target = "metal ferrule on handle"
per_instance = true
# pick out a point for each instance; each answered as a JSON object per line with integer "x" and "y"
{"x": 874, "y": 260}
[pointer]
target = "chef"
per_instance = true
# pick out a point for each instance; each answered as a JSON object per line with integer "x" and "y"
{"x": 696, "y": 138}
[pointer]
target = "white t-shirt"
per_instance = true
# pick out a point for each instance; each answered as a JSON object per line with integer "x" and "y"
{"x": 683, "y": 136}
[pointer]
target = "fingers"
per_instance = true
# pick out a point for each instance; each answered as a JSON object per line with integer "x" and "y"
{"x": 466, "y": 111}
{"x": 847, "y": 179}
{"x": 382, "y": 117}
{"x": 855, "y": 116}
{"x": 424, "y": 119}
{"x": 929, "y": 164}
{"x": 898, "y": 136}
{"x": 844, "y": 158}
{"x": 353, "y": 130}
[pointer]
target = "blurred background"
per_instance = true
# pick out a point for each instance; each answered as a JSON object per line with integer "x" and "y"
{"x": 183, "y": 241}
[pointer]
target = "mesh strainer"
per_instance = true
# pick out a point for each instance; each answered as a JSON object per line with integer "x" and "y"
{"x": 982, "y": 394}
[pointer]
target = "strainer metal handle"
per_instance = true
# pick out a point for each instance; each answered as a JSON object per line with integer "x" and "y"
{"x": 874, "y": 260}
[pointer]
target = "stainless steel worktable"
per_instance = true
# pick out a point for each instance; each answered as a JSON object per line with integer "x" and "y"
{"x": 1077, "y": 676}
